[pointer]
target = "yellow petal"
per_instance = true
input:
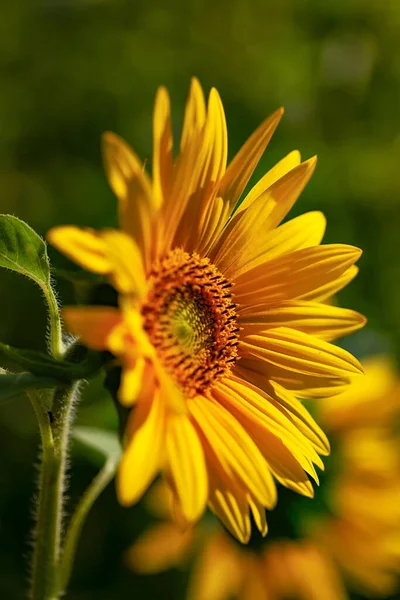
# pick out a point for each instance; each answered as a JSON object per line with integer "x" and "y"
{"x": 172, "y": 394}
{"x": 302, "y": 232}
{"x": 159, "y": 548}
{"x": 162, "y": 148}
{"x": 295, "y": 354}
{"x": 302, "y": 419}
{"x": 324, "y": 321}
{"x": 131, "y": 381}
{"x": 195, "y": 113}
{"x": 187, "y": 466}
{"x": 93, "y": 324}
{"x": 286, "y": 190}
{"x": 295, "y": 274}
{"x": 243, "y": 164}
{"x": 327, "y": 290}
{"x": 243, "y": 239}
{"x": 211, "y": 163}
{"x": 185, "y": 187}
{"x": 126, "y": 260}
{"x": 142, "y": 457}
{"x": 234, "y": 448}
{"x": 258, "y": 512}
{"x": 122, "y": 166}
{"x": 289, "y": 162}
{"x": 214, "y": 218}
{"x": 228, "y": 502}
{"x": 83, "y": 246}
{"x": 109, "y": 252}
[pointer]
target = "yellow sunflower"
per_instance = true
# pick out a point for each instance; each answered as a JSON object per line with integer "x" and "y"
{"x": 220, "y": 569}
{"x": 205, "y": 279}
{"x": 356, "y": 545}
{"x": 363, "y": 536}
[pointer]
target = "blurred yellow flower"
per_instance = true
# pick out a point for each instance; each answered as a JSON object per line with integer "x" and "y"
{"x": 357, "y": 543}
{"x": 221, "y": 569}
{"x": 205, "y": 279}
{"x": 363, "y": 537}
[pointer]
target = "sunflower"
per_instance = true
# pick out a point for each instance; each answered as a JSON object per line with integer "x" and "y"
{"x": 222, "y": 323}
{"x": 356, "y": 545}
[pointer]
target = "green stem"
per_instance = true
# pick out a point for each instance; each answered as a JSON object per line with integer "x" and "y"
{"x": 45, "y": 550}
{"x": 91, "y": 494}
{"x": 55, "y": 438}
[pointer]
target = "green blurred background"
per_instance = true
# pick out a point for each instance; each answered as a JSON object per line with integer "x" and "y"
{"x": 71, "y": 69}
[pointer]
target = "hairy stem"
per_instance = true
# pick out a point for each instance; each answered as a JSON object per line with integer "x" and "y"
{"x": 91, "y": 494}
{"x": 55, "y": 439}
{"x": 45, "y": 550}
{"x": 56, "y": 343}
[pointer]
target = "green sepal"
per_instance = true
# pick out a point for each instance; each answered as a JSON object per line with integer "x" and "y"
{"x": 13, "y": 384}
{"x": 43, "y": 365}
{"x": 82, "y": 282}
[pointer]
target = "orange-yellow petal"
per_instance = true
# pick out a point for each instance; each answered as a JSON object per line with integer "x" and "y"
{"x": 93, "y": 324}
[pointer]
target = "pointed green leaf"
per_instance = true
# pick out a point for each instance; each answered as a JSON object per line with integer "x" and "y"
{"x": 13, "y": 384}
{"x": 22, "y": 250}
{"x": 101, "y": 441}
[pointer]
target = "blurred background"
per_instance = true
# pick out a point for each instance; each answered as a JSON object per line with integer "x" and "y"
{"x": 71, "y": 69}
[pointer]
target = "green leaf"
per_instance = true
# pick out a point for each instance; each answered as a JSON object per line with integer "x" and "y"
{"x": 22, "y": 250}
{"x": 101, "y": 441}
{"x": 13, "y": 384}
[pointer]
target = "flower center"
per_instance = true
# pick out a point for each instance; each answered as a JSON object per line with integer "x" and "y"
{"x": 190, "y": 318}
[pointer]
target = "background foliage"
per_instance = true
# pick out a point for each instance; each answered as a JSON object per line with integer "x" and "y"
{"x": 70, "y": 69}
